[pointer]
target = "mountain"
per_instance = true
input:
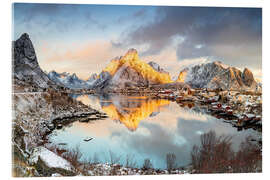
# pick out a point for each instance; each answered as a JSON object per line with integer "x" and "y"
{"x": 130, "y": 70}
{"x": 26, "y": 70}
{"x": 70, "y": 81}
{"x": 216, "y": 75}
{"x": 102, "y": 82}
{"x": 92, "y": 78}
{"x": 125, "y": 71}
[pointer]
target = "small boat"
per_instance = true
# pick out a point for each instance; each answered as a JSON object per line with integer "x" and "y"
{"x": 88, "y": 139}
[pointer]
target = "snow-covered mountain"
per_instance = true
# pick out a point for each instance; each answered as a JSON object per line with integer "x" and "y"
{"x": 26, "y": 70}
{"x": 69, "y": 80}
{"x": 216, "y": 75}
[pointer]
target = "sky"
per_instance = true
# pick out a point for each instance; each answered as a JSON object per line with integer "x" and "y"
{"x": 82, "y": 39}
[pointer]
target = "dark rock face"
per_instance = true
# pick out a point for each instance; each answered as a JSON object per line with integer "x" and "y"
{"x": 25, "y": 64}
{"x": 102, "y": 81}
{"x": 24, "y": 52}
{"x": 217, "y": 75}
{"x": 247, "y": 77}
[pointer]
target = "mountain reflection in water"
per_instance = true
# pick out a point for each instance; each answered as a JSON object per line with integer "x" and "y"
{"x": 130, "y": 114}
{"x": 147, "y": 128}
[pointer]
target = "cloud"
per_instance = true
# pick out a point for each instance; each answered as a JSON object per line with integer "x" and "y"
{"x": 137, "y": 15}
{"x": 171, "y": 36}
{"x": 55, "y": 18}
{"x": 168, "y": 60}
{"x": 92, "y": 21}
{"x": 83, "y": 59}
{"x": 231, "y": 34}
{"x": 43, "y": 14}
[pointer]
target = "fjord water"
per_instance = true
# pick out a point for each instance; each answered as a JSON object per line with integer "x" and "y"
{"x": 142, "y": 128}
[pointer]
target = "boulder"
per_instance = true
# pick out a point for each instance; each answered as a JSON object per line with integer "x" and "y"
{"x": 48, "y": 163}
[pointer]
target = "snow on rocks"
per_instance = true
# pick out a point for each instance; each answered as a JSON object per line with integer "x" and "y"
{"x": 50, "y": 159}
{"x": 116, "y": 169}
{"x": 56, "y": 175}
{"x": 240, "y": 108}
{"x": 34, "y": 116}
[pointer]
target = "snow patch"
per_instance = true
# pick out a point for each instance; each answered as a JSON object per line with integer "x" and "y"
{"x": 49, "y": 158}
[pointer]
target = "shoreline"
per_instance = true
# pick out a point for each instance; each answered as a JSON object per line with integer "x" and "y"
{"x": 71, "y": 114}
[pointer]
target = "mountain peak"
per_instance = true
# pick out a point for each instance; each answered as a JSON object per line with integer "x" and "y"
{"x": 24, "y": 46}
{"x": 132, "y": 51}
{"x": 219, "y": 63}
{"x": 74, "y": 76}
{"x": 24, "y": 36}
{"x": 131, "y": 55}
{"x": 130, "y": 66}
{"x": 246, "y": 70}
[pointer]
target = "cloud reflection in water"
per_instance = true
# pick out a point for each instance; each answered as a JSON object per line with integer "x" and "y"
{"x": 146, "y": 128}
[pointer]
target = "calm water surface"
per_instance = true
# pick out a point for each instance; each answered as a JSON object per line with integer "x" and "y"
{"x": 142, "y": 128}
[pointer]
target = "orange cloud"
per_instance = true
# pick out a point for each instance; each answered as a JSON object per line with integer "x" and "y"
{"x": 82, "y": 59}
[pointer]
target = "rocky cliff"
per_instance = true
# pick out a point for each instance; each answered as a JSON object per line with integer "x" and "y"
{"x": 26, "y": 70}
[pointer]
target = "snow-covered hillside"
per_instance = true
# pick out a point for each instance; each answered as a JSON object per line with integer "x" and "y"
{"x": 216, "y": 75}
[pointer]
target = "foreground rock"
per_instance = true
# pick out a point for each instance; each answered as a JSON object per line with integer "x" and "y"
{"x": 48, "y": 163}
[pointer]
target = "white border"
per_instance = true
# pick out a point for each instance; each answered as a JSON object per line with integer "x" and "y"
{"x": 227, "y": 3}
{"x": 5, "y": 79}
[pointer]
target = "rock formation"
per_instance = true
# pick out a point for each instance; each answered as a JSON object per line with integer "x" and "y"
{"x": 26, "y": 70}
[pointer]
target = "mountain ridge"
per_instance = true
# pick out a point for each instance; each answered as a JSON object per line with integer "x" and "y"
{"x": 216, "y": 75}
{"x": 68, "y": 80}
{"x": 127, "y": 71}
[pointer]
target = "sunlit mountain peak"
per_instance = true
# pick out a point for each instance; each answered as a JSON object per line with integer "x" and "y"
{"x": 132, "y": 60}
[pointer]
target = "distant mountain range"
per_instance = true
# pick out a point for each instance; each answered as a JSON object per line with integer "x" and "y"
{"x": 126, "y": 71}
{"x": 68, "y": 80}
